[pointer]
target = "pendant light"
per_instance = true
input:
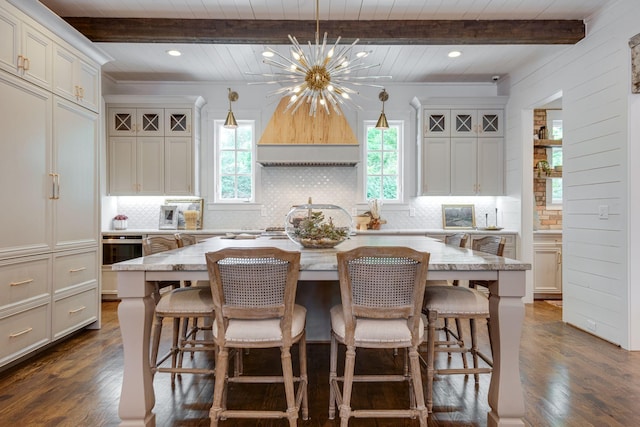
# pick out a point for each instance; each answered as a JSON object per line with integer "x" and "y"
{"x": 231, "y": 123}
{"x": 382, "y": 121}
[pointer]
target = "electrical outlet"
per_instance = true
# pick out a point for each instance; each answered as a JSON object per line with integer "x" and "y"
{"x": 412, "y": 211}
{"x": 263, "y": 211}
{"x": 354, "y": 211}
{"x": 603, "y": 211}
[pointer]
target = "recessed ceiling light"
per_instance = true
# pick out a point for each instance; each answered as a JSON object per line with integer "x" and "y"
{"x": 454, "y": 54}
{"x": 174, "y": 52}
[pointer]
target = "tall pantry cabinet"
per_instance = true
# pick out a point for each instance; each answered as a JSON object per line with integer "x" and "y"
{"x": 49, "y": 224}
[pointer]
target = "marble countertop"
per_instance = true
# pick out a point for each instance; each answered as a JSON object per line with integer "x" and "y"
{"x": 443, "y": 257}
{"x": 389, "y": 231}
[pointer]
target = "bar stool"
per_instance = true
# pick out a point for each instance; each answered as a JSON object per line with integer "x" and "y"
{"x": 254, "y": 293}
{"x": 381, "y": 290}
{"x": 456, "y": 302}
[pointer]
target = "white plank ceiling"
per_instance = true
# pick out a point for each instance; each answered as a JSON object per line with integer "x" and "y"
{"x": 233, "y": 63}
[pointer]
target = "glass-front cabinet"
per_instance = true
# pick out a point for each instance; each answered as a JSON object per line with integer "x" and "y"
{"x": 462, "y": 150}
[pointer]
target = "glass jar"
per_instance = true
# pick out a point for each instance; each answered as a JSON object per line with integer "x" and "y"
{"x": 318, "y": 226}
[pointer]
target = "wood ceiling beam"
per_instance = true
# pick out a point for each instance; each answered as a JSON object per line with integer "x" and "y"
{"x": 434, "y": 32}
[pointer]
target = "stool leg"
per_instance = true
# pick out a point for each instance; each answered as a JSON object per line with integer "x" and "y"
{"x": 157, "y": 331}
{"x": 349, "y": 367}
{"x": 432, "y": 318}
{"x": 287, "y": 372}
{"x": 304, "y": 379}
{"x": 474, "y": 348}
{"x": 222, "y": 361}
{"x": 333, "y": 365}
{"x": 416, "y": 380}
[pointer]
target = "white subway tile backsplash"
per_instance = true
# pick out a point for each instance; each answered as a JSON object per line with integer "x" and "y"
{"x": 283, "y": 187}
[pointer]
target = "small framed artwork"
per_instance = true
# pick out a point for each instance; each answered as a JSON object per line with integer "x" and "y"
{"x": 458, "y": 216}
{"x": 189, "y": 213}
{"x": 168, "y": 217}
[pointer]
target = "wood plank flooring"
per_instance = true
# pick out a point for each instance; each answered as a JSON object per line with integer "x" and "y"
{"x": 570, "y": 379}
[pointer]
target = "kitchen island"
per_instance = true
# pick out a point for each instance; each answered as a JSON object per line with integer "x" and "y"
{"x": 135, "y": 286}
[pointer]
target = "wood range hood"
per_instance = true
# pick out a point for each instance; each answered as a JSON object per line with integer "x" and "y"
{"x": 302, "y": 140}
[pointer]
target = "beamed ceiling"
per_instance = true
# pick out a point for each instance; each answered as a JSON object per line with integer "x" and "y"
{"x": 221, "y": 40}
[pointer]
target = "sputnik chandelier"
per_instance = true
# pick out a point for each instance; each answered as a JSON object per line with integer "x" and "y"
{"x": 320, "y": 78}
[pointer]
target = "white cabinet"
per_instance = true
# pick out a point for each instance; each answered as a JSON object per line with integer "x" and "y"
{"x": 75, "y": 79}
{"x": 75, "y": 208}
{"x": 153, "y": 146}
{"x": 136, "y": 122}
{"x": 477, "y": 166}
{"x": 75, "y": 290}
{"x": 25, "y": 50}
{"x": 49, "y": 177}
{"x": 462, "y": 151}
{"x": 178, "y": 171}
{"x": 26, "y": 164}
{"x": 547, "y": 265}
{"x": 136, "y": 165}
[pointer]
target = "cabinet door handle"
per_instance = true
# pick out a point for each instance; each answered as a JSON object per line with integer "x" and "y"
{"x": 26, "y": 64}
{"x": 53, "y": 186}
{"x": 22, "y": 282}
{"x": 20, "y": 62}
{"x": 56, "y": 180}
{"x": 559, "y": 258}
{"x": 77, "y": 310}
{"x": 17, "y": 334}
{"x": 75, "y": 270}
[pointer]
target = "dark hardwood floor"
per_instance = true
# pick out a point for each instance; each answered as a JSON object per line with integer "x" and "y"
{"x": 570, "y": 379}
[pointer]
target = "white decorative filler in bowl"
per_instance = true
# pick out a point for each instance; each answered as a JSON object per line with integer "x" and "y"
{"x": 318, "y": 226}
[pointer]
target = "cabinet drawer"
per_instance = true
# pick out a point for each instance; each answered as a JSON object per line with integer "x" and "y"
{"x": 74, "y": 312}
{"x": 24, "y": 332}
{"x": 23, "y": 280}
{"x": 74, "y": 269}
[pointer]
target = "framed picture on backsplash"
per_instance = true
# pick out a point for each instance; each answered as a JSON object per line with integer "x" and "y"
{"x": 189, "y": 213}
{"x": 168, "y": 217}
{"x": 458, "y": 217}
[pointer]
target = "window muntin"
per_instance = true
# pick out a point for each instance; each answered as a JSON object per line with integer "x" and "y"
{"x": 383, "y": 177}
{"x": 235, "y": 170}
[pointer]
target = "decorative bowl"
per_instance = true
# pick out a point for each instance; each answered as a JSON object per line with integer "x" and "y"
{"x": 318, "y": 226}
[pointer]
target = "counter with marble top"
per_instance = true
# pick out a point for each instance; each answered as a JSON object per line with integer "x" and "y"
{"x": 136, "y": 285}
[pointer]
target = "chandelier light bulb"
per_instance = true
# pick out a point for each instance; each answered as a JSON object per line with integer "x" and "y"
{"x": 321, "y": 79}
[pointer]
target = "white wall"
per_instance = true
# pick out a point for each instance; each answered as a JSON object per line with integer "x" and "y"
{"x": 594, "y": 79}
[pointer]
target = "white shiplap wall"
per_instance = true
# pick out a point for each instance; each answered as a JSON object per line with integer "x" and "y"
{"x": 594, "y": 79}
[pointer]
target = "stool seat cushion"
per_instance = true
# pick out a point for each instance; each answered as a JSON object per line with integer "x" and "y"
{"x": 193, "y": 300}
{"x": 262, "y": 330}
{"x": 375, "y": 331}
{"x": 455, "y": 300}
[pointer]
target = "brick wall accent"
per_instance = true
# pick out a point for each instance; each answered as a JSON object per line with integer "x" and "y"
{"x": 547, "y": 219}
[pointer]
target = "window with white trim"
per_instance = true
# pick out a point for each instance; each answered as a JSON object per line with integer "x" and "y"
{"x": 235, "y": 169}
{"x": 383, "y": 154}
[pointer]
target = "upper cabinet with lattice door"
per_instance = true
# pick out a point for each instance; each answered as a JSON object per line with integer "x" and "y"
{"x": 464, "y": 123}
{"x": 177, "y": 122}
{"x": 153, "y": 145}
{"x": 136, "y": 122}
{"x": 462, "y": 147}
